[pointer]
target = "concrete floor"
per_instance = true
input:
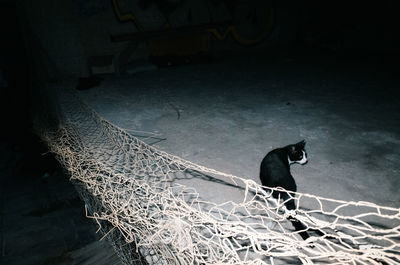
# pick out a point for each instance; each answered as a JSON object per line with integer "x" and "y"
{"x": 229, "y": 113}
{"x": 225, "y": 115}
{"x": 42, "y": 219}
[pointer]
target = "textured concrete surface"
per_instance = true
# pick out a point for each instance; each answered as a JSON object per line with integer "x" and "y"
{"x": 229, "y": 113}
{"x": 42, "y": 219}
{"x": 225, "y": 115}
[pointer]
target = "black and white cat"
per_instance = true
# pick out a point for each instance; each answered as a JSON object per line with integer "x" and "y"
{"x": 275, "y": 172}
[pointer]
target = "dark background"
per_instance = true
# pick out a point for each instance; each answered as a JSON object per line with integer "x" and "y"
{"x": 48, "y": 41}
{"x": 335, "y": 28}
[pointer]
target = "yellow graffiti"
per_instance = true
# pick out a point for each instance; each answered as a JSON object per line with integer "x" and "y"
{"x": 219, "y": 36}
{"x": 126, "y": 17}
{"x": 239, "y": 38}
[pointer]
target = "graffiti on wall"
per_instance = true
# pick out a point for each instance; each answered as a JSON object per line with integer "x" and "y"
{"x": 247, "y": 21}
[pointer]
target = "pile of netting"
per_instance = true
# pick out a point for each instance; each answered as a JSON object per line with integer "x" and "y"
{"x": 130, "y": 189}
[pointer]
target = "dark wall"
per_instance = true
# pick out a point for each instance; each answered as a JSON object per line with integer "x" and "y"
{"x": 368, "y": 27}
{"x": 61, "y": 37}
{"x": 15, "y": 97}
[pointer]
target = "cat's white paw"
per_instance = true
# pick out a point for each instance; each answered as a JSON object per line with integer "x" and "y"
{"x": 290, "y": 213}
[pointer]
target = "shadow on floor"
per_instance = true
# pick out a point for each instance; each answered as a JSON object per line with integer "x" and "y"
{"x": 42, "y": 219}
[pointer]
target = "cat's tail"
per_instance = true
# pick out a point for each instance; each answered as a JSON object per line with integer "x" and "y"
{"x": 290, "y": 206}
{"x": 299, "y": 227}
{"x": 297, "y": 224}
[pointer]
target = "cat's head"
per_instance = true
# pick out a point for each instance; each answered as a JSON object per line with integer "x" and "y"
{"x": 297, "y": 153}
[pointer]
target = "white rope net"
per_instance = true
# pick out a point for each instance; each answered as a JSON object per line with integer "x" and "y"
{"x": 131, "y": 190}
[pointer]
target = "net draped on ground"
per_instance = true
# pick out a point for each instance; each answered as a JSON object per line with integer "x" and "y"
{"x": 131, "y": 190}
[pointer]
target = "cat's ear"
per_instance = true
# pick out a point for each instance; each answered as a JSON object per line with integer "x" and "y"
{"x": 301, "y": 144}
{"x": 293, "y": 149}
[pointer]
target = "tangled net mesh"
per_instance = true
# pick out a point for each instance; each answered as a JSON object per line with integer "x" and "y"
{"x": 130, "y": 189}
